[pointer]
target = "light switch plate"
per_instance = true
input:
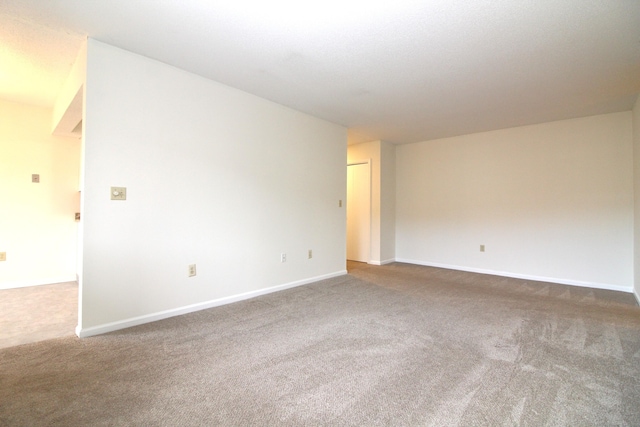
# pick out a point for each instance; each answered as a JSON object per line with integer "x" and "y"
{"x": 3, "y": 256}
{"x": 118, "y": 193}
{"x": 35, "y": 177}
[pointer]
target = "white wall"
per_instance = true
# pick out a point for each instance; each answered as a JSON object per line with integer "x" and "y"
{"x": 552, "y": 201}
{"x": 388, "y": 202}
{"x": 215, "y": 177}
{"x": 636, "y": 175}
{"x": 37, "y": 221}
{"x": 382, "y": 156}
{"x": 67, "y": 111}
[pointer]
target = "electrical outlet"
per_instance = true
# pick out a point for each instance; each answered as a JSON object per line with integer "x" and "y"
{"x": 481, "y": 248}
{"x": 192, "y": 270}
{"x": 118, "y": 193}
{"x": 3, "y": 256}
{"x": 283, "y": 257}
{"x": 310, "y": 254}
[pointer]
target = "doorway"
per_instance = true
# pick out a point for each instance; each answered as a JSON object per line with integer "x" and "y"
{"x": 359, "y": 211}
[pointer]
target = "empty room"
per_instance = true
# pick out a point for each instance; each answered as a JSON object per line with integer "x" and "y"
{"x": 334, "y": 213}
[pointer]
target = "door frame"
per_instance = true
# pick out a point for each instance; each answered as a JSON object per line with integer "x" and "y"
{"x": 364, "y": 162}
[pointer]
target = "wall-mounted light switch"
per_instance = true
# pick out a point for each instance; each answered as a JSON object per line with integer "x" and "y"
{"x": 481, "y": 248}
{"x": 118, "y": 193}
{"x": 35, "y": 178}
{"x": 3, "y": 256}
{"x": 339, "y": 203}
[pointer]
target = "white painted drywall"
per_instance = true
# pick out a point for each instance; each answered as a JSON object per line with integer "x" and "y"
{"x": 37, "y": 221}
{"x": 215, "y": 177}
{"x": 551, "y": 201}
{"x": 382, "y": 155}
{"x": 636, "y": 181}
{"x": 67, "y": 110}
{"x": 387, "y": 202}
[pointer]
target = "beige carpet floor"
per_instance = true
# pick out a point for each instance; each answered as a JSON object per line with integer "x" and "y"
{"x": 396, "y": 345}
{"x": 38, "y": 313}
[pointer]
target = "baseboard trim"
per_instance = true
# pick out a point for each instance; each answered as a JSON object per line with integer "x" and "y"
{"x": 37, "y": 282}
{"x": 386, "y": 261}
{"x": 594, "y": 285}
{"x": 635, "y": 294}
{"x": 140, "y": 320}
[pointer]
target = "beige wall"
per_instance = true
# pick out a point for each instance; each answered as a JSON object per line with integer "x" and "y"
{"x": 37, "y": 224}
{"x": 382, "y": 156}
{"x": 552, "y": 202}
{"x": 215, "y": 177}
{"x": 636, "y": 169}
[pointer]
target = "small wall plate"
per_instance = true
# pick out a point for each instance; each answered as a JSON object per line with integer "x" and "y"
{"x": 118, "y": 193}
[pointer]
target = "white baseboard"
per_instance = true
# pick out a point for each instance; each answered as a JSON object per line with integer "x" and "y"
{"x": 386, "y": 261}
{"x": 37, "y": 282}
{"x": 522, "y": 276}
{"x": 635, "y": 294}
{"x": 135, "y": 321}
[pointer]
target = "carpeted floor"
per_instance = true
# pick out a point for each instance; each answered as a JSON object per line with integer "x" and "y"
{"x": 38, "y": 313}
{"x": 398, "y": 345}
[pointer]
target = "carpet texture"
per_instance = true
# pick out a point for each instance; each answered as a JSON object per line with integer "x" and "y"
{"x": 38, "y": 313}
{"x": 397, "y": 345}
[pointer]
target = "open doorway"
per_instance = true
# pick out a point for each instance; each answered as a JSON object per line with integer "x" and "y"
{"x": 38, "y": 234}
{"x": 359, "y": 211}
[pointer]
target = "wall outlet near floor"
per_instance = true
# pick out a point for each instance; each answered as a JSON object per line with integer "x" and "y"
{"x": 192, "y": 270}
{"x": 481, "y": 248}
{"x": 3, "y": 256}
{"x": 310, "y": 255}
{"x": 283, "y": 257}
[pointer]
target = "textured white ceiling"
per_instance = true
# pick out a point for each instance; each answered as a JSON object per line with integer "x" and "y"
{"x": 401, "y": 71}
